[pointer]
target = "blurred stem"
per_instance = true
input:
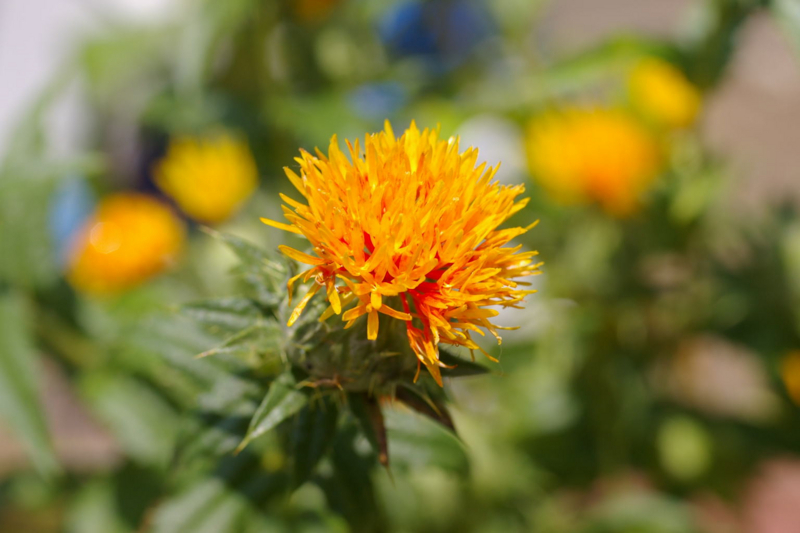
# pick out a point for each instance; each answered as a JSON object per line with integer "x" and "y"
{"x": 64, "y": 341}
{"x": 712, "y": 52}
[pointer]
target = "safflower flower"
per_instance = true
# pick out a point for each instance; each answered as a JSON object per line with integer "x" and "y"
{"x": 408, "y": 222}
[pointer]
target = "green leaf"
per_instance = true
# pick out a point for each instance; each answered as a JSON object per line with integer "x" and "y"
{"x": 144, "y": 423}
{"x": 788, "y": 14}
{"x": 719, "y": 24}
{"x": 94, "y": 510}
{"x": 258, "y": 344}
{"x": 224, "y": 503}
{"x": 20, "y": 405}
{"x": 264, "y": 278}
{"x": 223, "y": 415}
{"x": 281, "y": 402}
{"x": 418, "y": 442}
{"x": 425, "y": 405}
{"x": 462, "y": 367}
{"x": 313, "y": 432}
{"x": 169, "y": 347}
{"x": 349, "y": 488}
{"x": 369, "y": 416}
{"x": 25, "y": 242}
{"x": 184, "y": 512}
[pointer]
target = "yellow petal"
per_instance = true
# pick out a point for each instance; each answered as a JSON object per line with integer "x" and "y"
{"x": 280, "y": 225}
{"x": 302, "y": 305}
{"x": 354, "y": 313}
{"x": 375, "y": 300}
{"x": 372, "y": 325}
{"x": 333, "y": 296}
{"x": 386, "y": 310}
{"x": 297, "y": 255}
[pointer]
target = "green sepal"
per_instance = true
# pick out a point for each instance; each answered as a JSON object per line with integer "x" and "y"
{"x": 461, "y": 366}
{"x": 368, "y": 414}
{"x": 425, "y": 405}
{"x": 283, "y": 400}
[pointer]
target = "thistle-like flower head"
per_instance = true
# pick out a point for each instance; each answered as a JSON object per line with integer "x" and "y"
{"x": 408, "y": 227}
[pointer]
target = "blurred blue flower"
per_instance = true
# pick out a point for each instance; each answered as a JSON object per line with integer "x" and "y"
{"x": 378, "y": 100}
{"x": 72, "y": 203}
{"x": 444, "y": 32}
{"x": 404, "y": 31}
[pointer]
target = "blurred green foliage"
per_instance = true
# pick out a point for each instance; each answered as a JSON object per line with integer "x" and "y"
{"x": 645, "y": 381}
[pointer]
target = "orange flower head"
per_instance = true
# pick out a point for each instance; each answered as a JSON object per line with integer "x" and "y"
{"x": 130, "y": 238}
{"x": 593, "y": 155}
{"x": 209, "y": 178}
{"x": 408, "y": 222}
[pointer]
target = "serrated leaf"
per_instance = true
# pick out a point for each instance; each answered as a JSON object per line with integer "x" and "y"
{"x": 461, "y": 367}
{"x": 223, "y": 416}
{"x": 265, "y": 278}
{"x": 20, "y": 405}
{"x": 313, "y": 432}
{"x": 164, "y": 349}
{"x": 223, "y": 314}
{"x": 281, "y": 402}
{"x": 260, "y": 344}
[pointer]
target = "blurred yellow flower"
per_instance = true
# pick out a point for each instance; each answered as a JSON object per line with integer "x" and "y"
{"x": 593, "y": 155}
{"x": 130, "y": 238}
{"x": 411, "y": 222}
{"x": 209, "y": 178}
{"x": 790, "y": 373}
{"x": 663, "y": 94}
